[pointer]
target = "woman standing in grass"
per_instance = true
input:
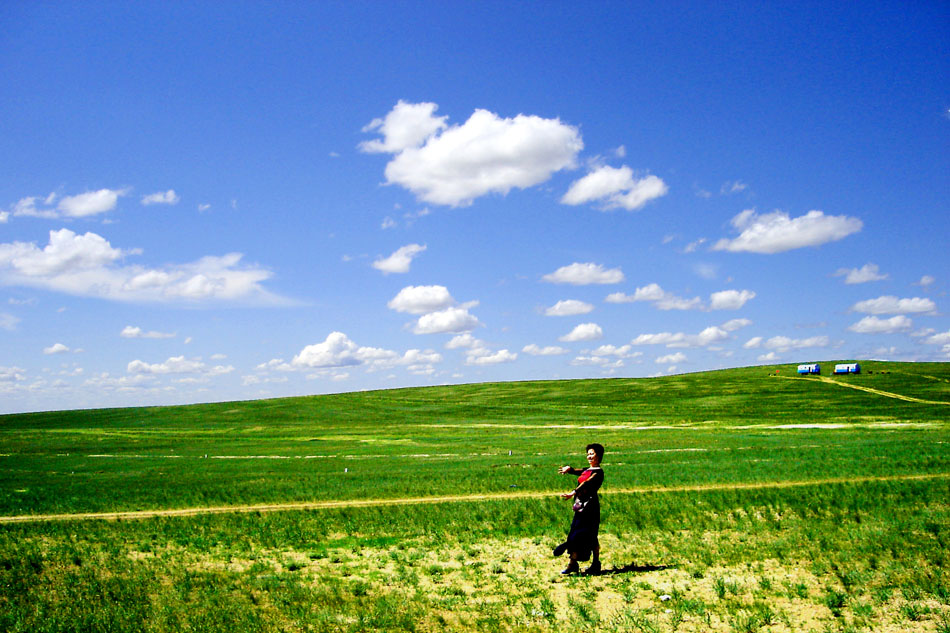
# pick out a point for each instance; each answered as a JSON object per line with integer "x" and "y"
{"x": 582, "y": 540}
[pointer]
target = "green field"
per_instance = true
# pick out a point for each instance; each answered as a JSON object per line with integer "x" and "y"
{"x": 739, "y": 500}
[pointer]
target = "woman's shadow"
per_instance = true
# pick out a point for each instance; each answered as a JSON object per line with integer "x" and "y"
{"x": 633, "y": 568}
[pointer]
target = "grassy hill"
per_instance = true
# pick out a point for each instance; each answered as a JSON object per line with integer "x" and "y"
{"x": 754, "y": 499}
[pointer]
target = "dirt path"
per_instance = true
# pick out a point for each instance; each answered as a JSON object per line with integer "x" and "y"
{"x": 886, "y": 394}
{"x": 362, "y": 503}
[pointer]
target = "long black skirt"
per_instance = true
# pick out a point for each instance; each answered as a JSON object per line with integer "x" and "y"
{"x": 582, "y": 539}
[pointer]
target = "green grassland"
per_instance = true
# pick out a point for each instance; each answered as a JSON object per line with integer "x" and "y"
{"x": 747, "y": 499}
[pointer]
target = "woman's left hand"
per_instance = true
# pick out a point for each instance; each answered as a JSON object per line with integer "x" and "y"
{"x": 567, "y": 495}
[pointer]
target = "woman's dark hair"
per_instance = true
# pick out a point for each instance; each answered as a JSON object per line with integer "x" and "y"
{"x": 598, "y": 449}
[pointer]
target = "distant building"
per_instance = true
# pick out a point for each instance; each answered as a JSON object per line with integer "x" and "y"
{"x": 848, "y": 368}
{"x": 813, "y": 368}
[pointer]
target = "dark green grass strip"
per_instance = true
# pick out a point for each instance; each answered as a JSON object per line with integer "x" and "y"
{"x": 362, "y": 503}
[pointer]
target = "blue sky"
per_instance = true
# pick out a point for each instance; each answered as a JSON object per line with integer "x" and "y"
{"x": 207, "y": 203}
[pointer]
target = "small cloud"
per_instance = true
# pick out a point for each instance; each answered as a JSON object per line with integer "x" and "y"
{"x": 671, "y": 359}
{"x": 161, "y": 197}
{"x": 584, "y": 274}
{"x": 569, "y": 307}
{"x": 615, "y": 188}
{"x": 137, "y": 332}
{"x": 448, "y": 321}
{"x": 421, "y": 299}
{"x": 550, "y": 350}
{"x": 400, "y": 260}
{"x": 56, "y": 348}
{"x": 875, "y": 325}
{"x": 583, "y": 332}
{"x": 91, "y": 202}
{"x": 730, "y": 299}
{"x": 8, "y": 322}
{"x": 482, "y": 357}
{"x": 777, "y": 232}
{"x": 733, "y": 186}
{"x": 865, "y": 274}
{"x": 203, "y": 207}
{"x": 892, "y": 305}
{"x": 387, "y": 223}
{"x": 925, "y": 281}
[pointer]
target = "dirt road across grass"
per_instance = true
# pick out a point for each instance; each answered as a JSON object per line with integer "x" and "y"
{"x": 361, "y": 503}
{"x": 886, "y": 394}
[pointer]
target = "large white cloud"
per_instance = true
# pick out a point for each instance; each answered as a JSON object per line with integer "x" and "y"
{"x": 88, "y": 265}
{"x": 421, "y": 299}
{"x": 875, "y": 325}
{"x": 616, "y": 187}
{"x": 777, "y": 232}
{"x": 453, "y": 165}
{"x": 892, "y": 305}
{"x": 400, "y": 260}
{"x": 579, "y": 274}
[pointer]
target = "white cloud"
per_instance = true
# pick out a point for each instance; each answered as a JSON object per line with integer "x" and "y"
{"x": 942, "y": 338}
{"x": 624, "y": 351}
{"x": 736, "y": 324}
{"x": 550, "y": 350}
{"x": 453, "y": 165}
{"x": 91, "y": 202}
{"x": 875, "y": 325}
{"x": 865, "y": 274}
{"x": 136, "y": 332}
{"x": 448, "y": 321}
{"x": 671, "y": 359}
{"x": 178, "y": 365}
{"x": 399, "y": 261}
{"x": 421, "y": 299}
{"x": 925, "y": 281}
{"x": 616, "y": 187}
{"x": 8, "y": 322}
{"x": 407, "y": 125}
{"x": 785, "y": 344}
{"x": 336, "y": 351}
{"x": 777, "y": 232}
{"x": 734, "y": 186}
{"x": 56, "y": 348}
{"x": 584, "y": 274}
{"x": 87, "y": 265}
{"x": 730, "y": 299}
{"x": 754, "y": 343}
{"x": 483, "y": 357}
{"x": 708, "y": 336}
{"x": 583, "y": 332}
{"x": 569, "y": 307}
{"x": 161, "y": 197}
{"x": 892, "y": 305}
{"x": 463, "y": 341}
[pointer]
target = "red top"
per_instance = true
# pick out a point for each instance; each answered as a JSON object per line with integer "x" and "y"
{"x": 587, "y": 474}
